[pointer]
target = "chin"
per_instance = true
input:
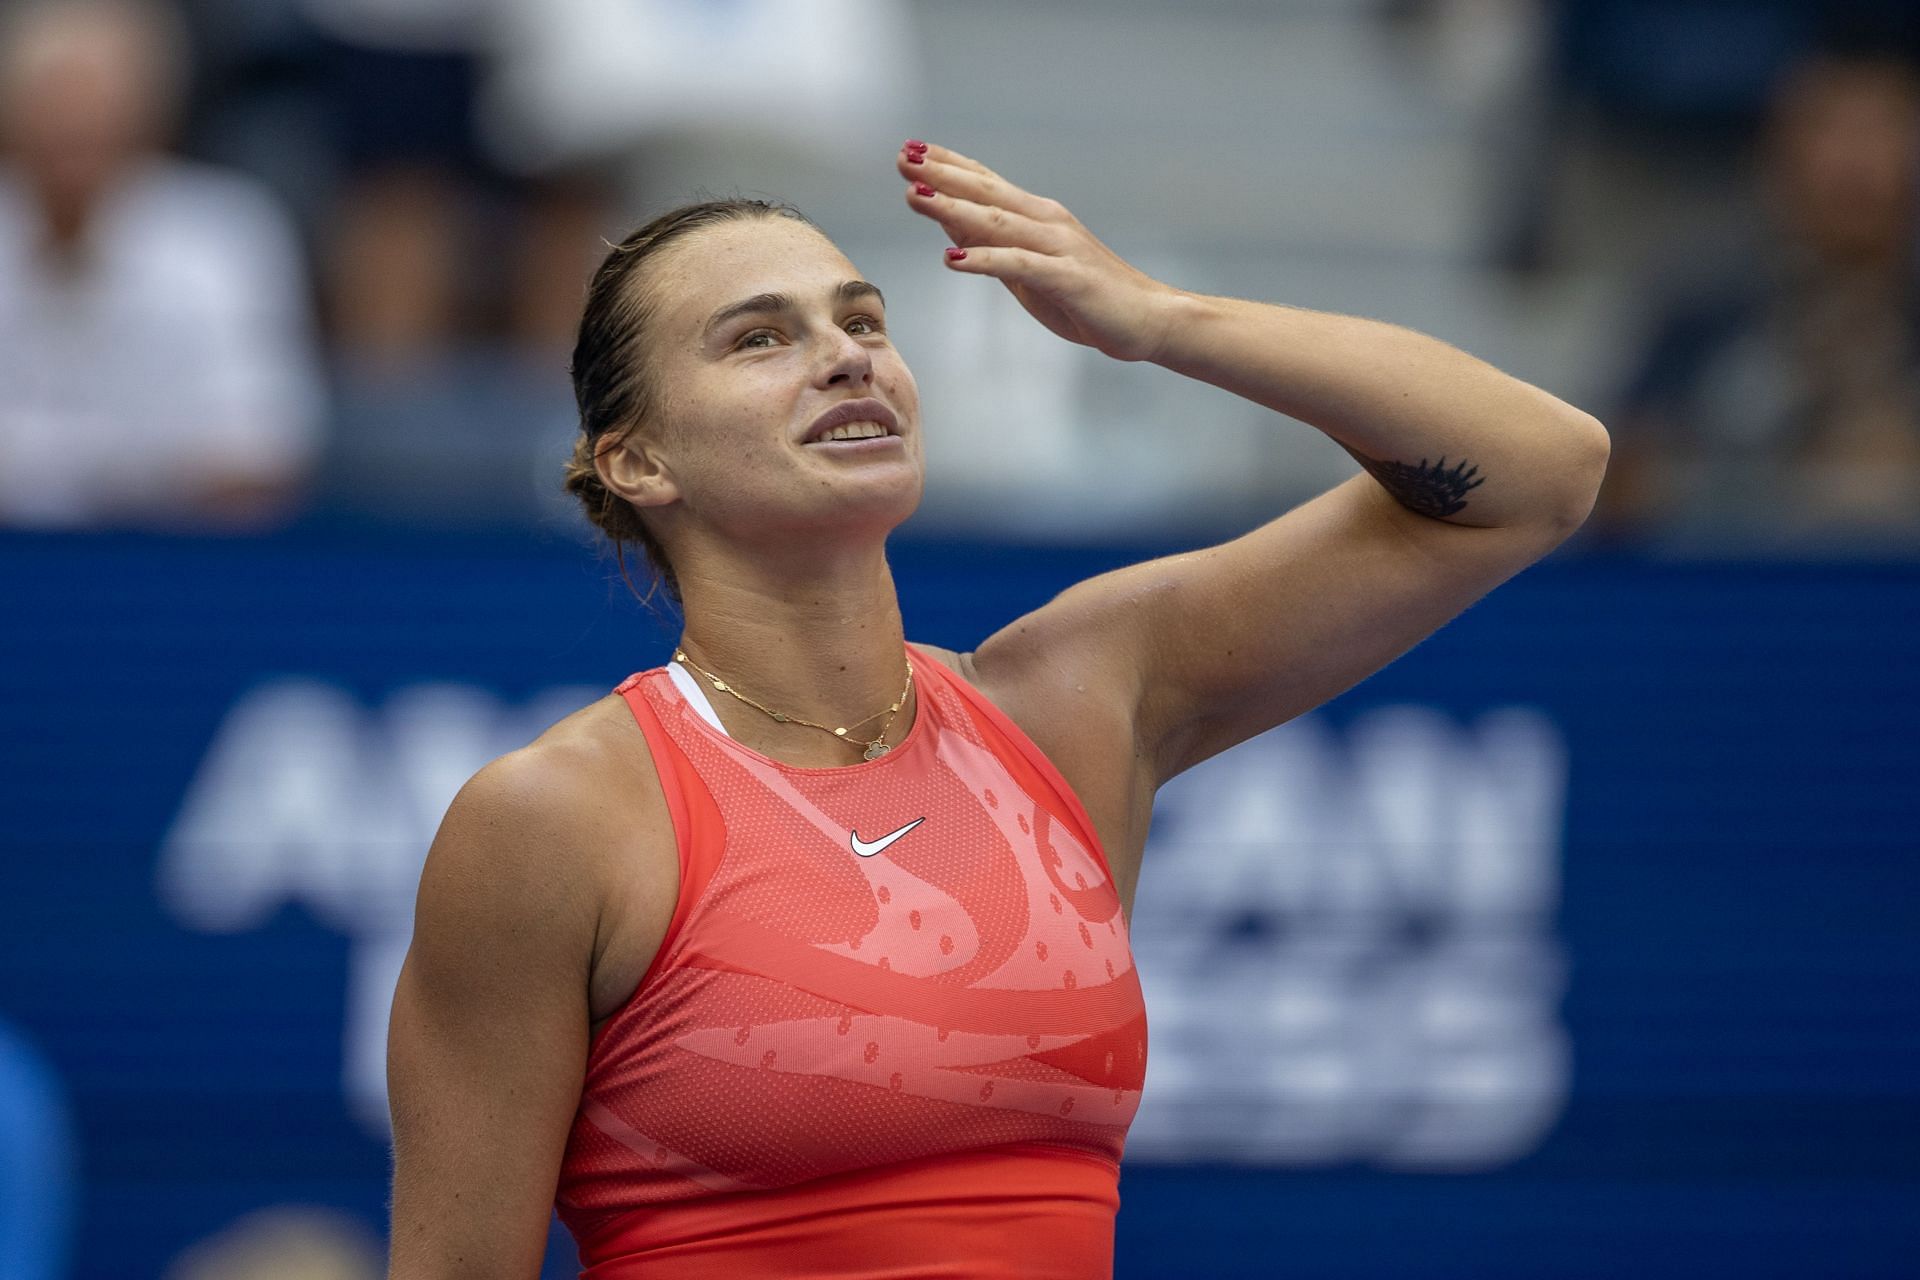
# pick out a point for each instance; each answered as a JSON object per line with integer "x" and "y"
{"x": 885, "y": 503}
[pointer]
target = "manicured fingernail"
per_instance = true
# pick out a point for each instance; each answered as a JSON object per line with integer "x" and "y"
{"x": 916, "y": 157}
{"x": 922, "y": 189}
{"x": 955, "y": 254}
{"x": 914, "y": 144}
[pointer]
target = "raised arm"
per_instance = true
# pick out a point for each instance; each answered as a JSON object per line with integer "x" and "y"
{"x": 1446, "y": 435}
{"x": 1469, "y": 475}
{"x": 489, "y": 1035}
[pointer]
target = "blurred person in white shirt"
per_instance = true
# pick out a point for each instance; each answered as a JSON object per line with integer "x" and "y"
{"x": 156, "y": 357}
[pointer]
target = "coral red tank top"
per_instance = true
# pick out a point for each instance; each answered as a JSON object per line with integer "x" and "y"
{"x": 894, "y": 1028}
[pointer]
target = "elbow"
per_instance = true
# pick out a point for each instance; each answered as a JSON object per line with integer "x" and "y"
{"x": 1596, "y": 443}
{"x": 1579, "y": 473}
{"x": 1584, "y": 470}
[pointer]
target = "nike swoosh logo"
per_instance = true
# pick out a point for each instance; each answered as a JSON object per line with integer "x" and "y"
{"x": 867, "y": 850}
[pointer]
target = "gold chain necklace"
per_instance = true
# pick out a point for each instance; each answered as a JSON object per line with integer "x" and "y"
{"x": 875, "y": 749}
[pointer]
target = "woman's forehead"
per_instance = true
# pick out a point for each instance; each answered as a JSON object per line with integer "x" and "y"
{"x": 722, "y": 264}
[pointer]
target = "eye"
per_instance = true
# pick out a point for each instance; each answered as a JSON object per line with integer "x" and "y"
{"x": 873, "y": 325}
{"x": 747, "y": 339}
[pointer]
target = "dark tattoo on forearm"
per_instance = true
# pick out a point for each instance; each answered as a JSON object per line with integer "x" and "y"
{"x": 1435, "y": 489}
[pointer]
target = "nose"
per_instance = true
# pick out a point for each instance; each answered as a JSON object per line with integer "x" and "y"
{"x": 847, "y": 360}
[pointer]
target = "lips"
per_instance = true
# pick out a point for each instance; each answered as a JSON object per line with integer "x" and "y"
{"x": 863, "y": 410}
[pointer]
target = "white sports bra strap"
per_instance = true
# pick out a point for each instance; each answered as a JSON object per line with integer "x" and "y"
{"x": 683, "y": 680}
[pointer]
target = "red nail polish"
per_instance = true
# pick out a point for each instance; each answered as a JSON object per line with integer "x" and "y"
{"x": 955, "y": 254}
{"x": 922, "y": 189}
{"x": 916, "y": 157}
{"x": 914, "y": 144}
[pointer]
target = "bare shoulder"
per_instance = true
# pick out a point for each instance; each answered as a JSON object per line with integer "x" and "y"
{"x": 1082, "y": 719}
{"x": 1000, "y": 691}
{"x": 1055, "y": 689}
{"x": 1004, "y": 679}
{"x": 573, "y": 779}
{"x": 591, "y": 760}
{"x": 949, "y": 658}
{"x": 564, "y": 832}
{"x": 490, "y": 1032}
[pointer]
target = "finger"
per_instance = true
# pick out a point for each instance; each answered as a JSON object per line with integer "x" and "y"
{"x": 1014, "y": 266}
{"x": 948, "y": 170}
{"x": 969, "y": 223}
{"x": 938, "y": 154}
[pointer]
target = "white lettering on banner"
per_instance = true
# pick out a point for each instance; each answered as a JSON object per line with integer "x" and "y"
{"x": 306, "y": 797}
{"x": 1346, "y": 941}
{"x": 1345, "y": 934}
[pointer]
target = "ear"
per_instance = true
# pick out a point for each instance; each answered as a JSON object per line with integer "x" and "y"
{"x": 631, "y": 467}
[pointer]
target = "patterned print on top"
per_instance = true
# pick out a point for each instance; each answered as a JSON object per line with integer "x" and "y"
{"x": 815, "y": 1012}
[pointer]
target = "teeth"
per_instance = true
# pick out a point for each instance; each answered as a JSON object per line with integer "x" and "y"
{"x": 854, "y": 431}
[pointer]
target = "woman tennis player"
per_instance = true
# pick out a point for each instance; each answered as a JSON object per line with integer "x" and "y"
{"x": 805, "y": 953}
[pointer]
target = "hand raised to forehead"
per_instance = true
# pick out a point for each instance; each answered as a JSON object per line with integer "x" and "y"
{"x": 1066, "y": 278}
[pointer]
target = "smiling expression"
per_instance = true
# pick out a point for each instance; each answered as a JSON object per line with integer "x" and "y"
{"x": 761, "y": 326}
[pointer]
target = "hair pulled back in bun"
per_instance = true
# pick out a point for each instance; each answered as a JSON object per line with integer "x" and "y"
{"x": 613, "y": 380}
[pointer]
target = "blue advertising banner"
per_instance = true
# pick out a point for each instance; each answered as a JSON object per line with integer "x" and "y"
{"x": 1581, "y": 941}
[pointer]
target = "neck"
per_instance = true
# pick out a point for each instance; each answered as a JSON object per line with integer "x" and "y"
{"x": 64, "y": 230}
{"x": 819, "y": 640}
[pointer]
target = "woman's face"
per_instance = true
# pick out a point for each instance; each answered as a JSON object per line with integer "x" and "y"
{"x": 1845, "y": 142}
{"x": 738, "y": 393}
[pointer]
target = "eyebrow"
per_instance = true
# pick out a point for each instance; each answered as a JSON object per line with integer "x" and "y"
{"x": 774, "y": 303}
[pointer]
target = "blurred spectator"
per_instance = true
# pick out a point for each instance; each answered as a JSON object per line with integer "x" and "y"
{"x": 434, "y": 243}
{"x": 155, "y": 360}
{"x": 1643, "y": 107}
{"x": 1777, "y": 400}
{"x": 824, "y": 80}
{"x": 257, "y": 102}
{"x": 36, "y": 1165}
{"x": 481, "y": 144}
{"x": 453, "y": 281}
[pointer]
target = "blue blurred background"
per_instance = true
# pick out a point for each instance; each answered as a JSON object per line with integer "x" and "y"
{"x": 1580, "y": 942}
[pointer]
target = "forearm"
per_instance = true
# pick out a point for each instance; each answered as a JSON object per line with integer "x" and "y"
{"x": 1400, "y": 402}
